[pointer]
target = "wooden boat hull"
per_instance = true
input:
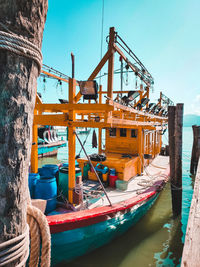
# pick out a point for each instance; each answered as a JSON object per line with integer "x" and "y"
{"x": 51, "y": 149}
{"x": 78, "y": 233}
{"x": 70, "y": 244}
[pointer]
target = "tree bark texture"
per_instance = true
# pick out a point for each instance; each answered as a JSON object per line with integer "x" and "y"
{"x": 18, "y": 83}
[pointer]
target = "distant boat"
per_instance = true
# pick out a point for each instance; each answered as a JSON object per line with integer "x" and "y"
{"x": 48, "y": 142}
{"x": 82, "y": 130}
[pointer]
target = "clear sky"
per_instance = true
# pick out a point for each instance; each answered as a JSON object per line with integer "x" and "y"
{"x": 165, "y": 35}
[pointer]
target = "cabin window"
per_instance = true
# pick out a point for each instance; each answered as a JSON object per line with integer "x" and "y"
{"x": 113, "y": 131}
{"x": 133, "y": 133}
{"x": 123, "y": 132}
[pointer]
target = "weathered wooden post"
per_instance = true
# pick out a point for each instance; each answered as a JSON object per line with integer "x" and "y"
{"x": 18, "y": 83}
{"x": 175, "y": 124}
{"x": 195, "y": 149}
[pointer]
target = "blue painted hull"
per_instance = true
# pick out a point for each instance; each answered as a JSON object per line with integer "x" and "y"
{"x": 74, "y": 243}
{"x": 44, "y": 149}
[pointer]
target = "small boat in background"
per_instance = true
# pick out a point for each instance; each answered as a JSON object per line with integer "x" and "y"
{"x": 48, "y": 142}
{"x": 83, "y": 130}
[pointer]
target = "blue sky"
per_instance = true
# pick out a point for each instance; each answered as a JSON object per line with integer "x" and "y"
{"x": 165, "y": 35}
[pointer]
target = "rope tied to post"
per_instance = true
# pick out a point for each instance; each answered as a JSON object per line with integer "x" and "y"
{"x": 15, "y": 248}
{"x": 19, "y": 45}
{"x": 39, "y": 228}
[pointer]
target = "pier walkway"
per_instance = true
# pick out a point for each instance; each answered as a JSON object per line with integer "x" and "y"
{"x": 191, "y": 250}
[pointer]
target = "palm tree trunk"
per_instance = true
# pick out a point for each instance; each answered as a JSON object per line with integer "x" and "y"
{"x": 18, "y": 83}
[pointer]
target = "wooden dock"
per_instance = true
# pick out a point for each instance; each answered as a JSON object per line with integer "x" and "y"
{"x": 191, "y": 250}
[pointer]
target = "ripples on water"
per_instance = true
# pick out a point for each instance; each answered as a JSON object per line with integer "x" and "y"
{"x": 157, "y": 239}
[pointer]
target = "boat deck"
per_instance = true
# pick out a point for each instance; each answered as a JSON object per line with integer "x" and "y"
{"x": 152, "y": 175}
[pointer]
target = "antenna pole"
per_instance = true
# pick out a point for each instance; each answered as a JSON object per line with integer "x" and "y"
{"x": 73, "y": 63}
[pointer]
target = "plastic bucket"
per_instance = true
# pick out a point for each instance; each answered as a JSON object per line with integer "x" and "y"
{"x": 46, "y": 188}
{"x": 48, "y": 170}
{"x": 112, "y": 180}
{"x": 63, "y": 179}
{"x": 121, "y": 185}
{"x": 32, "y": 180}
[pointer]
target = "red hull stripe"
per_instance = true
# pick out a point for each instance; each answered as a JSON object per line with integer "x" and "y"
{"x": 64, "y": 222}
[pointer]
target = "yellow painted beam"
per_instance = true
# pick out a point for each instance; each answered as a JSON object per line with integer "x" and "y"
{"x": 100, "y": 94}
{"x": 38, "y": 99}
{"x": 54, "y": 76}
{"x": 100, "y": 65}
{"x": 63, "y": 120}
{"x": 34, "y": 150}
{"x": 53, "y": 120}
{"x": 75, "y": 107}
{"x": 71, "y": 161}
{"x": 71, "y": 142}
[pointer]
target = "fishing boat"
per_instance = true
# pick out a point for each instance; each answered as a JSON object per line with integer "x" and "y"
{"x": 82, "y": 130}
{"x": 109, "y": 191}
{"x": 48, "y": 142}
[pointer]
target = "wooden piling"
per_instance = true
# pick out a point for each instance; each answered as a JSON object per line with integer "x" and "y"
{"x": 195, "y": 149}
{"x": 191, "y": 250}
{"x": 175, "y": 124}
{"x": 18, "y": 76}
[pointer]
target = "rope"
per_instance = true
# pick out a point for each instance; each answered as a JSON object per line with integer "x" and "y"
{"x": 39, "y": 226}
{"x": 18, "y": 45}
{"x": 15, "y": 248}
{"x": 159, "y": 167}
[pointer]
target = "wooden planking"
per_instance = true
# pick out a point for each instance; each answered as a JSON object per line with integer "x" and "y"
{"x": 191, "y": 250}
{"x": 119, "y": 144}
{"x": 126, "y": 168}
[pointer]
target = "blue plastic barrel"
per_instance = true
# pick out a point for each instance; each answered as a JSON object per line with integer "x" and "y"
{"x": 46, "y": 188}
{"x": 66, "y": 164}
{"x": 48, "y": 170}
{"x": 63, "y": 179}
{"x": 32, "y": 180}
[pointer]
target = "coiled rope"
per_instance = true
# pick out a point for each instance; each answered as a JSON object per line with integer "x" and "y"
{"x": 18, "y": 45}
{"x": 18, "y": 247}
{"x": 39, "y": 227}
{"x": 14, "y": 249}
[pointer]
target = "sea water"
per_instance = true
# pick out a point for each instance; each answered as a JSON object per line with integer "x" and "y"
{"x": 157, "y": 239}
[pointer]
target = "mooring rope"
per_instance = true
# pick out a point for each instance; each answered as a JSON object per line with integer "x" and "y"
{"x": 15, "y": 248}
{"x": 18, "y": 45}
{"x": 39, "y": 227}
